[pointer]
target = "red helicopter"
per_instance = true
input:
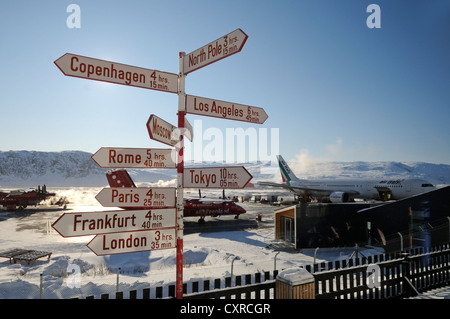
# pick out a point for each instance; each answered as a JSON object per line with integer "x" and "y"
{"x": 200, "y": 207}
{"x": 23, "y": 198}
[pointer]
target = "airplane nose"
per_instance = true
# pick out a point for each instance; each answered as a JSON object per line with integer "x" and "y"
{"x": 241, "y": 210}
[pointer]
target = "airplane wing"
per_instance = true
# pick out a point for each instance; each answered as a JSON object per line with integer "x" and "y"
{"x": 282, "y": 185}
{"x": 208, "y": 200}
{"x": 271, "y": 184}
{"x": 307, "y": 189}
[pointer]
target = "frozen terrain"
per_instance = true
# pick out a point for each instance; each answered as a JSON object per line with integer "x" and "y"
{"x": 75, "y": 271}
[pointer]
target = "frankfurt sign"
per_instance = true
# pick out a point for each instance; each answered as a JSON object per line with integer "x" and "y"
{"x": 104, "y": 222}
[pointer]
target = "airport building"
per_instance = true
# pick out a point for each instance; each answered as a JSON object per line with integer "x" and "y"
{"x": 421, "y": 220}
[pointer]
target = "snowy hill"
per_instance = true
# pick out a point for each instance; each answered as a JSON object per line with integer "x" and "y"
{"x": 76, "y": 168}
{"x": 59, "y": 169}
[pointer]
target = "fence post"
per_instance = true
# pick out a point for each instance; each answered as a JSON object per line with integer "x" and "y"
{"x": 401, "y": 241}
{"x": 410, "y": 290}
{"x": 295, "y": 283}
{"x": 275, "y": 261}
{"x": 40, "y": 287}
{"x": 117, "y": 281}
{"x": 315, "y": 254}
{"x": 448, "y": 228}
{"x": 232, "y": 262}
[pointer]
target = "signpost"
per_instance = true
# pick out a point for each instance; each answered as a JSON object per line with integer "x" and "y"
{"x": 114, "y": 157}
{"x": 160, "y": 130}
{"x": 230, "y": 177}
{"x": 225, "y": 110}
{"x": 130, "y": 242}
{"x": 160, "y": 225}
{"x": 223, "y": 47}
{"x": 180, "y": 170}
{"x": 93, "y": 223}
{"x": 152, "y": 197}
{"x": 112, "y": 72}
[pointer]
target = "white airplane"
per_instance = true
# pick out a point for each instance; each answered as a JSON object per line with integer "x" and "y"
{"x": 345, "y": 190}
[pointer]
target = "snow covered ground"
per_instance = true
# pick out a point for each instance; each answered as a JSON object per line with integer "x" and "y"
{"x": 75, "y": 271}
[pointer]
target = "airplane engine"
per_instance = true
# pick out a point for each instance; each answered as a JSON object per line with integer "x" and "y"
{"x": 339, "y": 197}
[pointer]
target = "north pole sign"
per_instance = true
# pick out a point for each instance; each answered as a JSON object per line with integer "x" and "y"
{"x": 223, "y": 47}
{"x": 230, "y": 177}
{"x": 115, "y": 157}
{"x": 112, "y": 72}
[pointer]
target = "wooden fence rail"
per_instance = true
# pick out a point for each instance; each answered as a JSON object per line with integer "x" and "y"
{"x": 392, "y": 276}
{"x": 252, "y": 286}
{"x": 398, "y": 278}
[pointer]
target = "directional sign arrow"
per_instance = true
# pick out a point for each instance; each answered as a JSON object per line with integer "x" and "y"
{"x": 189, "y": 134}
{"x": 130, "y": 242}
{"x": 225, "y": 110}
{"x": 114, "y": 157}
{"x": 161, "y": 131}
{"x": 216, "y": 177}
{"x": 112, "y": 72}
{"x": 93, "y": 223}
{"x": 212, "y": 52}
{"x": 152, "y": 197}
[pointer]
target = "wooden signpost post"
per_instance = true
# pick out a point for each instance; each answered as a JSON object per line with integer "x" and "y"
{"x": 152, "y": 218}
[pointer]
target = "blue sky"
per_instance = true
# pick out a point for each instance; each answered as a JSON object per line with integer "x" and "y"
{"x": 334, "y": 89}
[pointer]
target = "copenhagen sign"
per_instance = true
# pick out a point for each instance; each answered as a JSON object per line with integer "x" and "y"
{"x": 112, "y": 72}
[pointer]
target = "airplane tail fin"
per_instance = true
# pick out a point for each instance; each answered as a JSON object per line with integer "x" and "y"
{"x": 119, "y": 178}
{"x": 286, "y": 173}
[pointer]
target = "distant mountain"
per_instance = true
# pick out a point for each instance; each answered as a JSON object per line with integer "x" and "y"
{"x": 59, "y": 169}
{"x": 76, "y": 168}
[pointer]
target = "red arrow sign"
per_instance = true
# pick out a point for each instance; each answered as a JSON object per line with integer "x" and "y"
{"x": 112, "y": 72}
{"x": 223, "y": 47}
{"x": 216, "y": 177}
{"x": 225, "y": 110}
{"x": 113, "y": 157}
{"x": 160, "y": 130}
{"x": 93, "y": 223}
{"x": 152, "y": 197}
{"x": 130, "y": 242}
